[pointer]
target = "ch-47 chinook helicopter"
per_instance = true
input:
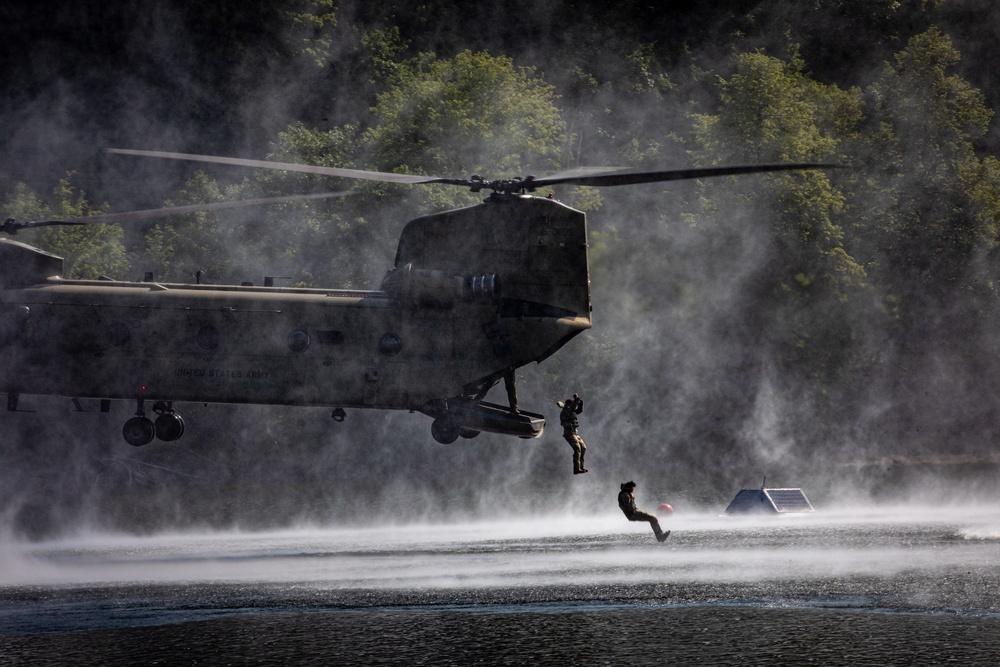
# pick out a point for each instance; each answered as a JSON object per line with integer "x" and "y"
{"x": 475, "y": 293}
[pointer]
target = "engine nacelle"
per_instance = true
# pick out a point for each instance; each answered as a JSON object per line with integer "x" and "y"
{"x": 440, "y": 289}
{"x": 22, "y": 266}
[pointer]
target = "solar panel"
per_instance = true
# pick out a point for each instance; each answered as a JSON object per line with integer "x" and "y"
{"x": 789, "y": 500}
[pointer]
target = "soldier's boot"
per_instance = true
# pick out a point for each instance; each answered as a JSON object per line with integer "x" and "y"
{"x": 660, "y": 533}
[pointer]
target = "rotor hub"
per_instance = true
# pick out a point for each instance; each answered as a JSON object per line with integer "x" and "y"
{"x": 512, "y": 186}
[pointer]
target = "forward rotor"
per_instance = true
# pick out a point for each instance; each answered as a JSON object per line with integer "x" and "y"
{"x": 11, "y": 226}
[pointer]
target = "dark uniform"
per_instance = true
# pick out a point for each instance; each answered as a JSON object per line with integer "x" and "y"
{"x": 571, "y": 407}
{"x": 626, "y": 501}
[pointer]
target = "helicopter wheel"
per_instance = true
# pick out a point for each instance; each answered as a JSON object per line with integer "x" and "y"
{"x": 169, "y": 426}
{"x": 138, "y": 431}
{"x": 445, "y": 431}
{"x": 468, "y": 433}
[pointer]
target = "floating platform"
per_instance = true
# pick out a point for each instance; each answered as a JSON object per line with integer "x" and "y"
{"x": 770, "y": 501}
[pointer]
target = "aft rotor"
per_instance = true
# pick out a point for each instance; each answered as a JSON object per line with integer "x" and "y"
{"x": 513, "y": 186}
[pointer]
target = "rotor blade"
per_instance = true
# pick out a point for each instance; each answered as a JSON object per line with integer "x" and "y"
{"x": 12, "y": 226}
{"x": 594, "y": 176}
{"x": 289, "y": 166}
{"x": 636, "y": 177}
{"x": 580, "y": 172}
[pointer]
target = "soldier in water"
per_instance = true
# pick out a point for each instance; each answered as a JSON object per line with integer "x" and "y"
{"x": 571, "y": 407}
{"x": 626, "y": 501}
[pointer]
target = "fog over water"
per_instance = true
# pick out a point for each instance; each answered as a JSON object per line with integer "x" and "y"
{"x": 862, "y": 585}
{"x": 557, "y": 550}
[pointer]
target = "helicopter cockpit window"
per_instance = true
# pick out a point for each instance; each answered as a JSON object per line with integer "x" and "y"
{"x": 209, "y": 337}
{"x": 298, "y": 340}
{"x": 390, "y": 344}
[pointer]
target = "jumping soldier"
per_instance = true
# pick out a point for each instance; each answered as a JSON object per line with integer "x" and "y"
{"x": 572, "y": 407}
{"x": 626, "y": 501}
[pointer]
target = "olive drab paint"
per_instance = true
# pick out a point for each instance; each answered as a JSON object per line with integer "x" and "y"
{"x": 474, "y": 293}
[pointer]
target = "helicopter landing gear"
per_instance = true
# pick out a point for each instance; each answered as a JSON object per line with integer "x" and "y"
{"x": 169, "y": 426}
{"x": 468, "y": 433}
{"x": 445, "y": 431}
{"x": 139, "y": 430}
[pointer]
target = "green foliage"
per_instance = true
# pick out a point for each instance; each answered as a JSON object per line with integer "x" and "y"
{"x": 926, "y": 114}
{"x": 931, "y": 200}
{"x": 312, "y": 25}
{"x": 176, "y": 249}
{"x": 473, "y": 113}
{"x": 89, "y": 251}
{"x": 646, "y": 74}
{"x": 23, "y": 204}
{"x": 384, "y": 53}
{"x": 771, "y": 111}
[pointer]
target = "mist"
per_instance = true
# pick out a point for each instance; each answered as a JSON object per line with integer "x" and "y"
{"x": 691, "y": 385}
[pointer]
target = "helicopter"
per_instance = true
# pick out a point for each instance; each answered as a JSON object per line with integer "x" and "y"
{"x": 474, "y": 294}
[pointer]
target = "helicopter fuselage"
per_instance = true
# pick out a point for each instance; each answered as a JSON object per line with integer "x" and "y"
{"x": 475, "y": 293}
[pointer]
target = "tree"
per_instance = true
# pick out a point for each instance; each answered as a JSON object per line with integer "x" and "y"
{"x": 473, "y": 113}
{"x": 89, "y": 251}
{"x": 932, "y": 204}
{"x": 770, "y": 111}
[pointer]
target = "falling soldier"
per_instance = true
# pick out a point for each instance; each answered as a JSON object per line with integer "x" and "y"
{"x": 572, "y": 407}
{"x": 626, "y": 501}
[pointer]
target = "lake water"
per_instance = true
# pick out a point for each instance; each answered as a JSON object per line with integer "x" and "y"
{"x": 873, "y": 586}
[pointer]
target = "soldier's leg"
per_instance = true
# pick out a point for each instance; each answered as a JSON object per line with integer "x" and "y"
{"x": 571, "y": 438}
{"x": 577, "y": 456}
{"x": 511, "y": 385}
{"x": 653, "y": 521}
{"x": 583, "y": 451}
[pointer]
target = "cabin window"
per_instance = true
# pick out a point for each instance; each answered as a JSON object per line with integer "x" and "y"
{"x": 119, "y": 334}
{"x": 209, "y": 337}
{"x": 298, "y": 340}
{"x": 390, "y": 344}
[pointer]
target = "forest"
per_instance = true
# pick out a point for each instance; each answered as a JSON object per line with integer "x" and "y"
{"x": 834, "y": 329}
